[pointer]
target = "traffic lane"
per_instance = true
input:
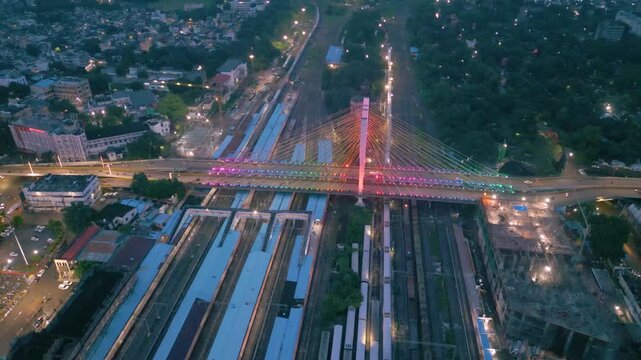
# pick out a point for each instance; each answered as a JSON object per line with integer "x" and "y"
{"x": 42, "y": 298}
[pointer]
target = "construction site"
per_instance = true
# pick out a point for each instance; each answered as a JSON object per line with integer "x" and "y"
{"x": 543, "y": 295}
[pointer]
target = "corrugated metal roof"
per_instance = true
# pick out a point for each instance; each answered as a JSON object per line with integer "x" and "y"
{"x": 80, "y": 243}
{"x": 145, "y": 275}
{"x": 204, "y": 285}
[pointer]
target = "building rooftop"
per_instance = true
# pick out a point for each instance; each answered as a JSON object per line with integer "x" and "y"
{"x": 229, "y": 65}
{"x": 44, "y": 83}
{"x": 138, "y": 98}
{"x": 80, "y": 242}
{"x": 101, "y": 246}
{"x": 61, "y": 183}
{"x": 536, "y": 266}
{"x": 50, "y": 124}
{"x": 131, "y": 253}
{"x": 334, "y": 55}
{"x": 531, "y": 227}
{"x": 112, "y": 211}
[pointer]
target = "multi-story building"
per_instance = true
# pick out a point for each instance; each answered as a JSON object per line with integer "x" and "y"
{"x": 633, "y": 21}
{"x": 101, "y": 145}
{"x": 74, "y": 89}
{"x": 40, "y": 134}
{"x": 235, "y": 69}
{"x": 43, "y": 88}
{"x": 55, "y": 192}
{"x": 8, "y": 77}
{"x": 541, "y": 294}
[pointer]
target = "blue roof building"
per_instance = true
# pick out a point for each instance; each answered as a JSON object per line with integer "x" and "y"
{"x": 334, "y": 55}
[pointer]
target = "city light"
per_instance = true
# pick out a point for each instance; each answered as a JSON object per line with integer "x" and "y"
{"x": 547, "y": 268}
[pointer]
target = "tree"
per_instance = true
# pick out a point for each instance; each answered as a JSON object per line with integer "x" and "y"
{"x": 61, "y": 106}
{"x": 99, "y": 82}
{"x": 17, "y": 221}
{"x": 32, "y": 50}
{"x": 172, "y": 106}
{"x": 607, "y": 236}
{"x": 81, "y": 268}
{"x": 6, "y": 139}
{"x": 139, "y": 184}
{"x": 148, "y": 146}
{"x": 77, "y": 217}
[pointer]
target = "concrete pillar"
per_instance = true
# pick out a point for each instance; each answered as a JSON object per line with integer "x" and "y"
{"x": 568, "y": 342}
{"x": 362, "y": 149}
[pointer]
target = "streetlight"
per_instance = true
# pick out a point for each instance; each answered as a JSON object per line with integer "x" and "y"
{"x": 303, "y": 9}
{"x": 35, "y": 252}
{"x": 284, "y": 37}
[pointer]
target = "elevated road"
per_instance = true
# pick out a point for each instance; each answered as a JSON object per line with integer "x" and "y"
{"x": 397, "y": 182}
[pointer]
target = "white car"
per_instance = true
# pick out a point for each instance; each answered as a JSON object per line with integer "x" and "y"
{"x": 63, "y": 287}
{"x": 40, "y": 272}
{"x": 35, "y": 238}
{"x": 13, "y": 254}
{"x": 67, "y": 282}
{"x": 49, "y": 240}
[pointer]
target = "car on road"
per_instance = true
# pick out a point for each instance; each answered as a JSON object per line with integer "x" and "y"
{"x": 2, "y": 206}
{"x": 13, "y": 254}
{"x": 40, "y": 272}
{"x": 35, "y": 238}
{"x": 63, "y": 287}
{"x": 67, "y": 282}
{"x": 528, "y": 182}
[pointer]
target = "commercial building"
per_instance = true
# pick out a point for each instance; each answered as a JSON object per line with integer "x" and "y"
{"x": 55, "y": 192}
{"x": 235, "y": 69}
{"x": 74, "y": 89}
{"x": 43, "y": 134}
{"x": 633, "y": 21}
{"x": 542, "y": 296}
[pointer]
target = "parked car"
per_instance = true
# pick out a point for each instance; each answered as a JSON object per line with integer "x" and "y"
{"x": 67, "y": 282}
{"x": 13, "y": 254}
{"x": 63, "y": 287}
{"x": 35, "y": 238}
{"x": 40, "y": 272}
{"x": 49, "y": 240}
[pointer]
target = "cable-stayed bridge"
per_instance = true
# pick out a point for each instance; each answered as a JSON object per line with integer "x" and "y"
{"x": 358, "y": 151}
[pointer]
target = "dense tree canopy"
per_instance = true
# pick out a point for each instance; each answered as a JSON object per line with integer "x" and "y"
{"x": 77, "y": 217}
{"x": 492, "y": 73}
{"x": 156, "y": 189}
{"x": 361, "y": 70}
{"x": 173, "y": 106}
{"x": 607, "y": 236}
{"x": 148, "y": 146}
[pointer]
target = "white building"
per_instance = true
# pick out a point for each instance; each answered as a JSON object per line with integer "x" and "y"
{"x": 114, "y": 215}
{"x": 161, "y": 127}
{"x": 100, "y": 145}
{"x": 55, "y": 192}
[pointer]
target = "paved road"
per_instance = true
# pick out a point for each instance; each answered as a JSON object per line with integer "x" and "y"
{"x": 43, "y": 295}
